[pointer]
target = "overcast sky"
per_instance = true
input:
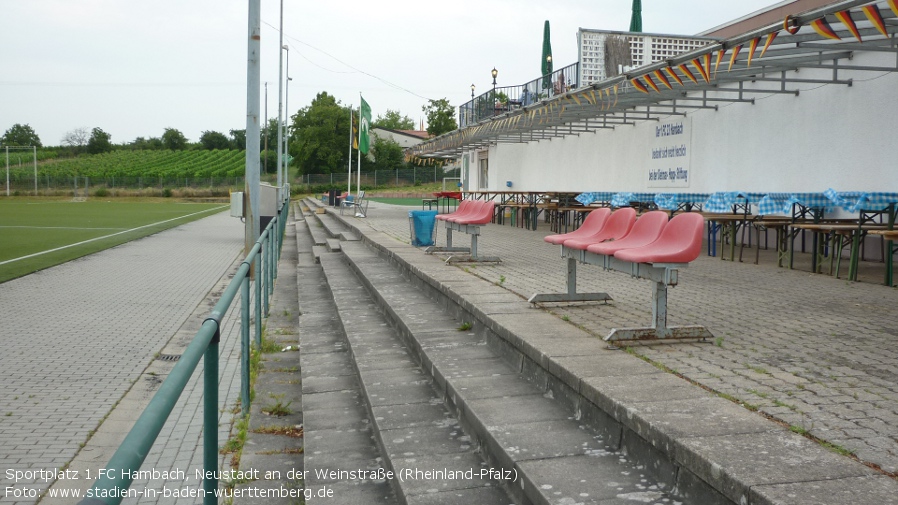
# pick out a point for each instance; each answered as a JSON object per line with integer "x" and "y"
{"x": 134, "y": 68}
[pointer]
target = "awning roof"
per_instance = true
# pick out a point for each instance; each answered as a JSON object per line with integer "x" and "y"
{"x": 728, "y": 65}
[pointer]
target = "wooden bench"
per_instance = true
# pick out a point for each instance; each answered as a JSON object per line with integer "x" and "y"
{"x": 654, "y": 249}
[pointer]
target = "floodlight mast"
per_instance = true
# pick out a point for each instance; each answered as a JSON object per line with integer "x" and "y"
{"x": 253, "y": 80}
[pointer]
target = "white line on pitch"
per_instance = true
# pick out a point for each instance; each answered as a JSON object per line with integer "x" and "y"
{"x": 110, "y": 235}
{"x": 58, "y": 228}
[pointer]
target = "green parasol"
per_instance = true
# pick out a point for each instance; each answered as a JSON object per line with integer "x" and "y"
{"x": 547, "y": 51}
{"x": 636, "y": 18}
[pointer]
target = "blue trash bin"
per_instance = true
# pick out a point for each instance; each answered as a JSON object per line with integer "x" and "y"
{"x": 422, "y": 224}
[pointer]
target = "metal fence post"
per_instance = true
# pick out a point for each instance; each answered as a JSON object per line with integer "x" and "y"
{"x": 244, "y": 345}
{"x": 259, "y": 299}
{"x": 266, "y": 262}
{"x": 210, "y": 421}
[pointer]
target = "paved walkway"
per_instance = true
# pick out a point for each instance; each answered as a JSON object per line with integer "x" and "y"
{"x": 811, "y": 351}
{"x": 77, "y": 337}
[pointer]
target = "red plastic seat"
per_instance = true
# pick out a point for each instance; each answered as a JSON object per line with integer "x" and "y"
{"x": 616, "y": 226}
{"x": 472, "y": 210}
{"x": 680, "y": 242}
{"x": 463, "y": 208}
{"x": 594, "y": 222}
{"x": 646, "y": 230}
{"x": 483, "y": 215}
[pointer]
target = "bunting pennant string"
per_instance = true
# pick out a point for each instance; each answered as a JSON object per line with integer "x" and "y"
{"x": 822, "y": 27}
{"x": 638, "y": 85}
{"x": 734, "y": 56}
{"x": 769, "y": 41}
{"x": 719, "y": 59}
{"x": 791, "y": 25}
{"x": 660, "y": 75}
{"x": 875, "y": 17}
{"x": 697, "y": 63}
{"x": 651, "y": 83}
{"x": 688, "y": 73}
{"x": 845, "y": 18}
{"x": 752, "y": 48}
{"x": 675, "y": 76}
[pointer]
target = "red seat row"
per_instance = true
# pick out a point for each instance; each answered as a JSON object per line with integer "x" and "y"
{"x": 471, "y": 212}
{"x": 649, "y": 239}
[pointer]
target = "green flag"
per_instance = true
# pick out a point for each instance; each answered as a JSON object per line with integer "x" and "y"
{"x": 364, "y": 142}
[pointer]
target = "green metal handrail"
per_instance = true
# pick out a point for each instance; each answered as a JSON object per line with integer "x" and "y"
{"x": 112, "y": 486}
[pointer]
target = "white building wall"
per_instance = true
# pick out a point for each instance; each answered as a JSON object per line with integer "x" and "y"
{"x": 829, "y": 136}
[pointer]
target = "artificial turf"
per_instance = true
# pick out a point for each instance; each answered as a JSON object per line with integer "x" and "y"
{"x": 29, "y": 226}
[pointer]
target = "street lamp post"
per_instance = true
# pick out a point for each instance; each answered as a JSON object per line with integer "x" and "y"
{"x": 287, "y": 117}
{"x": 494, "y": 73}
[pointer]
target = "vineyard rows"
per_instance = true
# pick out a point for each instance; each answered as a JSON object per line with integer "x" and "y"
{"x": 122, "y": 164}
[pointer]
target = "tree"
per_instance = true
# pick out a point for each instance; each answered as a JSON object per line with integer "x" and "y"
{"x": 319, "y": 142}
{"x": 99, "y": 142}
{"x": 214, "y": 140}
{"x": 440, "y": 117}
{"x": 20, "y": 135}
{"x": 238, "y": 139}
{"x": 173, "y": 139}
{"x": 392, "y": 120}
{"x": 388, "y": 154}
{"x": 76, "y": 139}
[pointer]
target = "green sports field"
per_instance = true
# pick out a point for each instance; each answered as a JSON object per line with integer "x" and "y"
{"x": 39, "y": 233}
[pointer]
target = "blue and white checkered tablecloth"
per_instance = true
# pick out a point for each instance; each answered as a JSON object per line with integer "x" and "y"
{"x": 588, "y": 198}
{"x": 723, "y": 201}
{"x": 672, "y": 201}
{"x": 624, "y": 199}
{"x": 781, "y": 203}
{"x": 856, "y": 201}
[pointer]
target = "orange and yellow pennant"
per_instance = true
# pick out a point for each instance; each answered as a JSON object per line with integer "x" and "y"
{"x": 697, "y": 63}
{"x": 875, "y": 17}
{"x": 651, "y": 83}
{"x": 734, "y": 56}
{"x": 791, "y": 25}
{"x": 719, "y": 59}
{"x": 674, "y": 74}
{"x": 639, "y": 85}
{"x": 769, "y": 41}
{"x": 752, "y": 47}
{"x": 894, "y": 5}
{"x": 660, "y": 75}
{"x": 688, "y": 73}
{"x": 615, "y": 95}
{"x": 822, "y": 27}
{"x": 845, "y": 18}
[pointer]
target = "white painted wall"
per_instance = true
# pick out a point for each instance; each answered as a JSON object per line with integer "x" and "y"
{"x": 829, "y": 136}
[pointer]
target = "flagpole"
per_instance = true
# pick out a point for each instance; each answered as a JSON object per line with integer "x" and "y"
{"x": 349, "y": 176}
{"x": 358, "y": 185}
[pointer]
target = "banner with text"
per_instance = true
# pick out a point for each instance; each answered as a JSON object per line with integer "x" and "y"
{"x": 670, "y": 145}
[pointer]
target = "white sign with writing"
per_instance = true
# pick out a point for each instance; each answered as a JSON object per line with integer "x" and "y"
{"x": 670, "y": 148}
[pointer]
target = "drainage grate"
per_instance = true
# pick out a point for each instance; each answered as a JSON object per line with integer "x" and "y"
{"x": 168, "y": 357}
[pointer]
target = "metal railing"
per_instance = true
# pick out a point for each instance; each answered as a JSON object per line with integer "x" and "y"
{"x": 112, "y": 486}
{"x": 383, "y": 178}
{"x": 507, "y": 98}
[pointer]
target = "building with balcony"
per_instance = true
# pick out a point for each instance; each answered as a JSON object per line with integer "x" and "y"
{"x": 603, "y": 53}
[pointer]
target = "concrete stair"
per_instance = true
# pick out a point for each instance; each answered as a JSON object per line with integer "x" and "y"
{"x": 442, "y": 396}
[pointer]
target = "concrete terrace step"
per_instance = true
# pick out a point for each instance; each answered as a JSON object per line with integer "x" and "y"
{"x": 414, "y": 430}
{"x": 713, "y": 450}
{"x": 337, "y": 430}
{"x": 506, "y": 416}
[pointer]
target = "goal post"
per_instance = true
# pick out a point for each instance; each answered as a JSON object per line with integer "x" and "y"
{"x": 80, "y": 194}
